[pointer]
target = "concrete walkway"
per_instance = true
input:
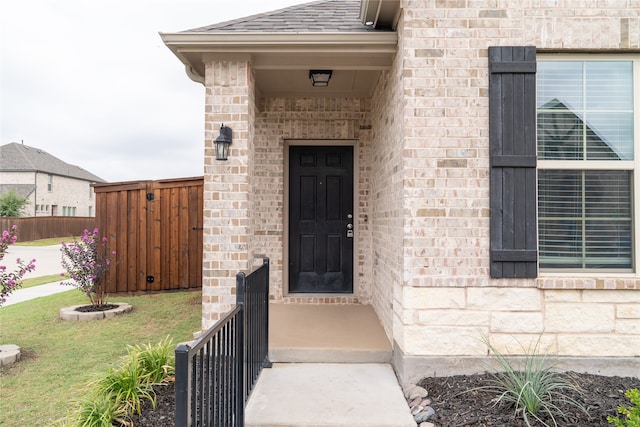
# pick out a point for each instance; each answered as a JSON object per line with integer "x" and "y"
{"x": 328, "y": 395}
{"x": 21, "y": 295}
{"x": 48, "y": 261}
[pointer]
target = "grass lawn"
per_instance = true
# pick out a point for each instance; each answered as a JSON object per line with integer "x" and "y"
{"x": 45, "y": 242}
{"x": 42, "y": 280}
{"x": 59, "y": 358}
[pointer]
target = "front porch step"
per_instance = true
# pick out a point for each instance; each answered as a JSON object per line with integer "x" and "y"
{"x": 328, "y": 395}
{"x": 324, "y": 333}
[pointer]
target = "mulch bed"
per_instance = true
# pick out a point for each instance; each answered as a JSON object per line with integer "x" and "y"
{"x": 456, "y": 407}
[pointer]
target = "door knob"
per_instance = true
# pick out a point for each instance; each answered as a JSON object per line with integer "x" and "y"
{"x": 349, "y": 226}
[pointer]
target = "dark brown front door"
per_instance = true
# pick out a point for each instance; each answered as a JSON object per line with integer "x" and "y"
{"x": 321, "y": 230}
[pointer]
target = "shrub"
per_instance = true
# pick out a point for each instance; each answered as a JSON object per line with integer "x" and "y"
{"x": 12, "y": 204}
{"x": 10, "y": 281}
{"x": 102, "y": 410}
{"x": 631, "y": 413}
{"x": 87, "y": 262}
{"x": 156, "y": 361}
{"x": 532, "y": 388}
{"x": 119, "y": 392}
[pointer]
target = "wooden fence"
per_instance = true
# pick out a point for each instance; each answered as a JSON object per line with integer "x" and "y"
{"x": 155, "y": 227}
{"x": 44, "y": 227}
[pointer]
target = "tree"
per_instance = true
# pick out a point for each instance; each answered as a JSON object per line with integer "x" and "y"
{"x": 12, "y": 204}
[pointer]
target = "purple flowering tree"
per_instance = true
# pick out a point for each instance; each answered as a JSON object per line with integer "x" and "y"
{"x": 11, "y": 280}
{"x": 87, "y": 262}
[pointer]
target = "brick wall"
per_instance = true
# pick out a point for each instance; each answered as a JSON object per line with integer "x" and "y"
{"x": 447, "y": 298}
{"x": 421, "y": 144}
{"x": 227, "y": 219}
{"x": 278, "y": 122}
{"x": 65, "y": 192}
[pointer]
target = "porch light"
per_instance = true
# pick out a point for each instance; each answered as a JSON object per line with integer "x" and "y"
{"x": 222, "y": 142}
{"x": 320, "y": 78}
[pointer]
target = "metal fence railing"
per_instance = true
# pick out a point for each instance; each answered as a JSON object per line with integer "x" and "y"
{"x": 216, "y": 374}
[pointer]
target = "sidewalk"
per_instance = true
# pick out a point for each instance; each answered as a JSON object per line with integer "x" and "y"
{"x": 21, "y": 295}
{"x": 48, "y": 262}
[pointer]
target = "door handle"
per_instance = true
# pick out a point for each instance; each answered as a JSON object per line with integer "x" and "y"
{"x": 349, "y": 226}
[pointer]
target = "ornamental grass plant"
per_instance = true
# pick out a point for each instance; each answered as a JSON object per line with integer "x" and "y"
{"x": 532, "y": 387}
{"x": 118, "y": 393}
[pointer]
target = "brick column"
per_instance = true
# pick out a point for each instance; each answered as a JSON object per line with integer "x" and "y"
{"x": 228, "y": 225}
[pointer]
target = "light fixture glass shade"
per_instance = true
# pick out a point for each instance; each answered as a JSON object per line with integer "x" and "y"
{"x": 320, "y": 78}
{"x": 222, "y": 143}
{"x": 222, "y": 150}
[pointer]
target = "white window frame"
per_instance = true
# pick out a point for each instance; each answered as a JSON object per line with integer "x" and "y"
{"x": 632, "y": 165}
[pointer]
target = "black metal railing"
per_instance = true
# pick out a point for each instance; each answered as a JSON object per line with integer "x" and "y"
{"x": 216, "y": 374}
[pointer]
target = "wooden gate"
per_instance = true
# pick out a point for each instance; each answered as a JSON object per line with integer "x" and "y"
{"x": 155, "y": 227}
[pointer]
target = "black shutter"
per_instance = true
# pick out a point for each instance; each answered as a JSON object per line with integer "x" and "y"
{"x": 512, "y": 143}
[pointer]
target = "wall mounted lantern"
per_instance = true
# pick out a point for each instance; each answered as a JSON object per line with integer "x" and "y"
{"x": 222, "y": 142}
{"x": 320, "y": 78}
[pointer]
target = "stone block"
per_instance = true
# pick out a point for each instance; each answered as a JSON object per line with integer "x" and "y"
{"x": 504, "y": 299}
{"x": 590, "y": 318}
{"x": 613, "y": 295}
{"x": 562, "y": 295}
{"x": 427, "y": 298}
{"x": 598, "y": 345}
{"x": 628, "y": 327}
{"x": 444, "y": 340}
{"x": 452, "y": 317}
{"x": 628, "y": 311}
{"x": 521, "y": 344}
{"x": 511, "y": 322}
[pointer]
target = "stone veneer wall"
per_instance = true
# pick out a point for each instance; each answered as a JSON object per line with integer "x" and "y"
{"x": 444, "y": 298}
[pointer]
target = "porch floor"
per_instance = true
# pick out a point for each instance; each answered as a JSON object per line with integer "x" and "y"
{"x": 339, "y": 373}
{"x": 326, "y": 333}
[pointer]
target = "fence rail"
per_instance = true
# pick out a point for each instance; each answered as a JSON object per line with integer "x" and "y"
{"x": 45, "y": 227}
{"x": 216, "y": 374}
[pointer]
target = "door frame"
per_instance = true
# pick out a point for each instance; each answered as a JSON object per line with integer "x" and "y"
{"x": 356, "y": 203}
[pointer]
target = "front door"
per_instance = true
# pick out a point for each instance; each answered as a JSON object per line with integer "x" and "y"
{"x": 321, "y": 230}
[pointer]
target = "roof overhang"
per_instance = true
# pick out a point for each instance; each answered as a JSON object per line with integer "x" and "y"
{"x": 281, "y": 60}
{"x": 380, "y": 14}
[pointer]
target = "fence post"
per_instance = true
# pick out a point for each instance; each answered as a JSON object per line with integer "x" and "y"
{"x": 266, "y": 363}
{"x": 183, "y": 381}
{"x": 240, "y": 394}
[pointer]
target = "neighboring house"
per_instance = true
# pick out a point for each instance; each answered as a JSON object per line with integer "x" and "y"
{"x": 53, "y": 187}
{"x": 418, "y": 181}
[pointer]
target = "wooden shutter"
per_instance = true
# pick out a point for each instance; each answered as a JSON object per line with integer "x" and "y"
{"x": 512, "y": 141}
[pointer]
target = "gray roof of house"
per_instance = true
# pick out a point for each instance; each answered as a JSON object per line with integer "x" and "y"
{"x": 16, "y": 157}
{"x": 315, "y": 17}
{"x": 23, "y": 190}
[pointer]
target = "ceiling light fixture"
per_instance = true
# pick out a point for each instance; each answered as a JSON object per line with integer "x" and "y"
{"x": 320, "y": 78}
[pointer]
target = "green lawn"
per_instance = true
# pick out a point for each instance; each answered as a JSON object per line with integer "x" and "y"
{"x": 45, "y": 242}
{"x": 43, "y": 280}
{"x": 59, "y": 358}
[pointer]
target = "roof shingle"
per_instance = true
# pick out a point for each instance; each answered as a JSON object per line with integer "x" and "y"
{"x": 21, "y": 158}
{"x": 315, "y": 17}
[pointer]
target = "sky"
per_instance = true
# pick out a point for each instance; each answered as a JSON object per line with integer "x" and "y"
{"x": 90, "y": 82}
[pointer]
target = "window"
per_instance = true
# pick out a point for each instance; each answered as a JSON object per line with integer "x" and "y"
{"x": 49, "y": 182}
{"x": 586, "y": 110}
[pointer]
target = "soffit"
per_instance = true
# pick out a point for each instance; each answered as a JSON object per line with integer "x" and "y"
{"x": 281, "y": 61}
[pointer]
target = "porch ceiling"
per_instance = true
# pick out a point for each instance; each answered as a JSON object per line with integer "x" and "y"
{"x": 281, "y": 62}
